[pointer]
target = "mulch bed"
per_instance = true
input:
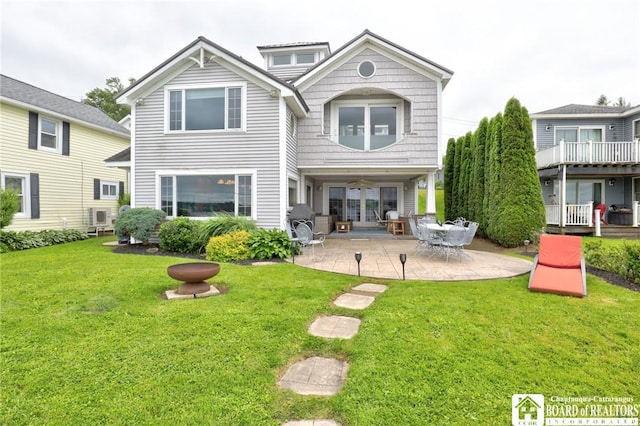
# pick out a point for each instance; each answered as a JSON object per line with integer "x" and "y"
{"x": 154, "y": 250}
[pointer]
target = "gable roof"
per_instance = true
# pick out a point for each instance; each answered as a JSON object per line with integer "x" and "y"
{"x": 577, "y": 110}
{"x": 180, "y": 59}
{"x": 367, "y": 36}
{"x": 16, "y": 92}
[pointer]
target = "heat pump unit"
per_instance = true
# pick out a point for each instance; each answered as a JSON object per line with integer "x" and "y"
{"x": 99, "y": 216}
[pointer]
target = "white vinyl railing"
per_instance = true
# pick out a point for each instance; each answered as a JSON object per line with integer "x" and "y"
{"x": 581, "y": 214}
{"x": 589, "y": 153}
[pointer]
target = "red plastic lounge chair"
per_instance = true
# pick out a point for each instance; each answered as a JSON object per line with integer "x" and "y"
{"x": 559, "y": 266}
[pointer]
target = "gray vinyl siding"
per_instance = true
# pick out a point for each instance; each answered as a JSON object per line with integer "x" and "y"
{"x": 292, "y": 144}
{"x": 420, "y": 93}
{"x": 257, "y": 148}
{"x": 546, "y": 138}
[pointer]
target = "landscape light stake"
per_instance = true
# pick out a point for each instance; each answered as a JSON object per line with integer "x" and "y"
{"x": 403, "y": 259}
{"x": 358, "y": 259}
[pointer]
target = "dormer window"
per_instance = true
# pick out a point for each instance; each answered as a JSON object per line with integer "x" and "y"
{"x": 305, "y": 58}
{"x": 281, "y": 59}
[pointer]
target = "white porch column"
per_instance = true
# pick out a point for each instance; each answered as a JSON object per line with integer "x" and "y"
{"x": 431, "y": 194}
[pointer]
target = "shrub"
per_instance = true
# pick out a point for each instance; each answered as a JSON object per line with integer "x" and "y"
{"x": 181, "y": 235}
{"x": 229, "y": 247}
{"x": 12, "y": 240}
{"x": 138, "y": 223}
{"x": 225, "y": 223}
{"x": 124, "y": 200}
{"x": 622, "y": 259}
{"x": 9, "y": 204}
{"x": 264, "y": 244}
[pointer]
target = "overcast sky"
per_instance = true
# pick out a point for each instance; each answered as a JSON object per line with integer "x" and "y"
{"x": 546, "y": 53}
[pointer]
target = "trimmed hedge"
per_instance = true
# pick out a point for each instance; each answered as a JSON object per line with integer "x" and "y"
{"x": 623, "y": 260}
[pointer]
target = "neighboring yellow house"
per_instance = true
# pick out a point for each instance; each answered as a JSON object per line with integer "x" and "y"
{"x": 52, "y": 152}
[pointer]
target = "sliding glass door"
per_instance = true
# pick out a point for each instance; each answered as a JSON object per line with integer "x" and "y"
{"x": 359, "y": 204}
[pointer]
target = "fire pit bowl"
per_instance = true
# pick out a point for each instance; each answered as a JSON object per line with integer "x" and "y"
{"x": 193, "y": 276}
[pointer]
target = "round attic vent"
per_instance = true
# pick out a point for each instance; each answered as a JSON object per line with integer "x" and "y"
{"x": 366, "y": 69}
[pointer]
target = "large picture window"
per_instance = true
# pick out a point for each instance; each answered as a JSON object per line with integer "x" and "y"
{"x": 206, "y": 195}
{"x": 367, "y": 127}
{"x": 211, "y": 108}
{"x": 578, "y": 134}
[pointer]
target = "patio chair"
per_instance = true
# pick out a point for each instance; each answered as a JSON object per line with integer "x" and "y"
{"x": 454, "y": 240}
{"x": 559, "y": 266}
{"x": 379, "y": 220}
{"x": 307, "y": 237}
{"x": 422, "y": 245}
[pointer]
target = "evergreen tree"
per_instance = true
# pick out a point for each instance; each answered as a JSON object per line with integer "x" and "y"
{"x": 476, "y": 204}
{"x": 456, "y": 192}
{"x": 449, "y": 165}
{"x": 520, "y": 211}
{"x": 492, "y": 189}
{"x": 467, "y": 160}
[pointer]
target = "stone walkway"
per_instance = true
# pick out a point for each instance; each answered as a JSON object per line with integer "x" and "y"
{"x": 326, "y": 376}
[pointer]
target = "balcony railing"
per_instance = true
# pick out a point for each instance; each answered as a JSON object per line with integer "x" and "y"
{"x": 589, "y": 153}
{"x": 581, "y": 214}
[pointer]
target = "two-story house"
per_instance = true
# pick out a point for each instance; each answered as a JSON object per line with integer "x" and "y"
{"x": 350, "y": 133}
{"x": 52, "y": 152}
{"x": 589, "y": 155}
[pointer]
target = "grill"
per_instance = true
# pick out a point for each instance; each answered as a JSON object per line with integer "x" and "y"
{"x": 302, "y": 212}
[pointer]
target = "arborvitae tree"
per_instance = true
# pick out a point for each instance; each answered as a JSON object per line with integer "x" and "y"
{"x": 492, "y": 189}
{"x": 449, "y": 165}
{"x": 520, "y": 211}
{"x": 455, "y": 193}
{"x": 467, "y": 161}
{"x": 476, "y": 197}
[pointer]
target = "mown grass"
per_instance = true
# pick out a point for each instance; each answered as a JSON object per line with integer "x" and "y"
{"x": 87, "y": 339}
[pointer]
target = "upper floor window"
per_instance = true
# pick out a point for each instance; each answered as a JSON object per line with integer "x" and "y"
{"x": 366, "y": 69}
{"x": 48, "y": 136}
{"x": 210, "y": 108}
{"x": 636, "y": 130}
{"x": 578, "y": 134}
{"x": 366, "y": 126}
{"x": 282, "y": 59}
{"x": 305, "y": 58}
{"x": 293, "y": 59}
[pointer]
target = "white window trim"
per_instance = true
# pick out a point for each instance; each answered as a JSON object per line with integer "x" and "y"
{"x": 366, "y": 77}
{"x": 335, "y": 106}
{"x": 110, "y": 183}
{"x": 633, "y": 126}
{"x": 26, "y": 192}
{"x": 296, "y": 180}
{"x": 226, "y": 85}
{"x": 206, "y": 172}
{"x": 293, "y": 60}
{"x": 578, "y": 128}
{"x": 58, "y": 148}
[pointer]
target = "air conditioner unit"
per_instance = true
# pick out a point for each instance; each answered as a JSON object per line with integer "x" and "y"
{"x": 99, "y": 216}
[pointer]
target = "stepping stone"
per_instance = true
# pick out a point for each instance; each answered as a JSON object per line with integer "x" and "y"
{"x": 335, "y": 327}
{"x": 371, "y": 288}
{"x": 353, "y": 301}
{"x": 311, "y": 423}
{"x": 315, "y": 376}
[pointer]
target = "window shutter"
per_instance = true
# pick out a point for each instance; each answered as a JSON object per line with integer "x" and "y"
{"x": 33, "y": 130}
{"x": 120, "y": 188}
{"x": 96, "y": 189}
{"x": 65, "y": 138}
{"x": 34, "y": 190}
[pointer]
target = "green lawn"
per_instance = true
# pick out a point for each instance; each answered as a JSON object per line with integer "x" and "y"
{"x": 422, "y": 203}
{"x": 86, "y": 339}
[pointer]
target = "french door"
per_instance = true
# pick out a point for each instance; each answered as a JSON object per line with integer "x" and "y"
{"x": 358, "y": 204}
